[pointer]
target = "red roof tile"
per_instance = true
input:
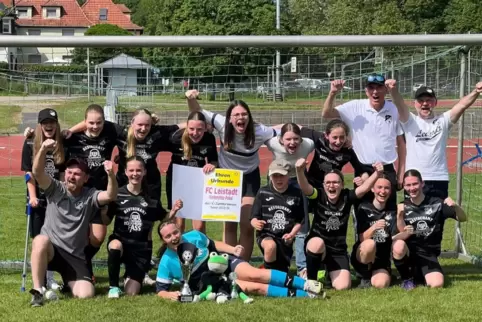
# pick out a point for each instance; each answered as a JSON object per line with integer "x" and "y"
{"x": 115, "y": 16}
{"x": 73, "y": 15}
{"x": 123, "y": 8}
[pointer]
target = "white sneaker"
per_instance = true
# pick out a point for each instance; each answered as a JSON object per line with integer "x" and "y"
{"x": 51, "y": 282}
{"x": 313, "y": 286}
{"x": 149, "y": 281}
{"x": 303, "y": 274}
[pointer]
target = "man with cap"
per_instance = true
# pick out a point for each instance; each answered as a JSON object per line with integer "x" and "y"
{"x": 64, "y": 235}
{"x": 277, "y": 215}
{"x": 375, "y": 131}
{"x": 426, "y": 134}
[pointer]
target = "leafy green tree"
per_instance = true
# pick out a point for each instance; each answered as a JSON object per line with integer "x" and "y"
{"x": 99, "y": 55}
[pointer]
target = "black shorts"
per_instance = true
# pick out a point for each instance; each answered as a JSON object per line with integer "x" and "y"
{"x": 423, "y": 263}
{"x": 284, "y": 253}
{"x": 251, "y": 183}
{"x": 334, "y": 260}
{"x": 137, "y": 260}
{"x": 71, "y": 268}
{"x": 382, "y": 261}
{"x": 432, "y": 188}
{"x": 37, "y": 219}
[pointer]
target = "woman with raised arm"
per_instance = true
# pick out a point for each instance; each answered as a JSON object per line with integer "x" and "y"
{"x": 421, "y": 219}
{"x": 249, "y": 279}
{"x": 135, "y": 213}
{"x": 241, "y": 139}
{"x": 193, "y": 146}
{"x": 47, "y": 128}
{"x": 326, "y": 242}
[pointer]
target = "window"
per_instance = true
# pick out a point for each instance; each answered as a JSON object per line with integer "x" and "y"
{"x": 68, "y": 32}
{"x": 51, "y": 13}
{"x": 103, "y": 14}
{"x": 34, "y": 32}
{"x": 22, "y": 13}
{"x": 6, "y": 26}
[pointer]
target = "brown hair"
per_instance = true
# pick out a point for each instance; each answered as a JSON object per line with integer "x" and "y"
{"x": 163, "y": 247}
{"x": 185, "y": 141}
{"x": 58, "y": 153}
{"x": 336, "y": 123}
{"x": 144, "y": 185}
{"x": 229, "y": 133}
{"x": 94, "y": 108}
{"x": 131, "y": 139}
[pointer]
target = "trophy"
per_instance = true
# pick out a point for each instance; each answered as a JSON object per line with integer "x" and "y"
{"x": 187, "y": 253}
{"x": 234, "y": 290}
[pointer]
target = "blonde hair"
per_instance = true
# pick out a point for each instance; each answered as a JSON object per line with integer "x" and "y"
{"x": 186, "y": 141}
{"x": 131, "y": 139}
{"x": 58, "y": 153}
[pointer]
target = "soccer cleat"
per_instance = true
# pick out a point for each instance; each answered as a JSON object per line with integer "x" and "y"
{"x": 313, "y": 286}
{"x": 321, "y": 276}
{"x": 365, "y": 283}
{"x": 114, "y": 293}
{"x": 37, "y": 298}
{"x": 408, "y": 284}
{"x": 52, "y": 284}
{"x": 148, "y": 280}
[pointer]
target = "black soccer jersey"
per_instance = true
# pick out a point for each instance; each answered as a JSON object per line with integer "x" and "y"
{"x": 325, "y": 159}
{"x": 52, "y": 169}
{"x": 94, "y": 151}
{"x": 330, "y": 221}
{"x": 427, "y": 220}
{"x": 156, "y": 141}
{"x": 204, "y": 149}
{"x": 368, "y": 215}
{"x": 134, "y": 217}
{"x": 281, "y": 211}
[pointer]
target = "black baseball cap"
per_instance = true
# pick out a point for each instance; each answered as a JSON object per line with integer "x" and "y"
{"x": 375, "y": 79}
{"x": 79, "y": 163}
{"x": 425, "y": 91}
{"x": 47, "y": 114}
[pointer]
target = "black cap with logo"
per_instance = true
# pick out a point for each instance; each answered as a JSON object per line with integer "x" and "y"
{"x": 47, "y": 114}
{"x": 425, "y": 91}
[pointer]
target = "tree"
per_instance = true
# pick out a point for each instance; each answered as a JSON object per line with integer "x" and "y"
{"x": 463, "y": 16}
{"x": 210, "y": 17}
{"x": 99, "y": 55}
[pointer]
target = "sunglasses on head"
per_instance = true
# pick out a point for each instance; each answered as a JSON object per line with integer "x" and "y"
{"x": 376, "y": 78}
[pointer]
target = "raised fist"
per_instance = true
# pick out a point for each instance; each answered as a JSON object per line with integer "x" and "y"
{"x": 337, "y": 85}
{"x": 478, "y": 87}
{"x": 378, "y": 167}
{"x": 391, "y": 84}
{"x": 49, "y": 144}
{"x": 108, "y": 166}
{"x": 192, "y": 94}
{"x": 300, "y": 164}
{"x": 177, "y": 205}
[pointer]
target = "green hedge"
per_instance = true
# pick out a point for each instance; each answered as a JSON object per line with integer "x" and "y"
{"x": 70, "y": 69}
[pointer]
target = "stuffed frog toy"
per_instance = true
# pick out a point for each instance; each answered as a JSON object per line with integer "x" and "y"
{"x": 214, "y": 284}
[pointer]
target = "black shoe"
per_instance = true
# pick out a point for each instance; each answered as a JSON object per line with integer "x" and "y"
{"x": 65, "y": 289}
{"x": 37, "y": 298}
{"x": 365, "y": 283}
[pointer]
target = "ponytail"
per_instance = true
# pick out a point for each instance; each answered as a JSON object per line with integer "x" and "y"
{"x": 186, "y": 145}
{"x": 131, "y": 143}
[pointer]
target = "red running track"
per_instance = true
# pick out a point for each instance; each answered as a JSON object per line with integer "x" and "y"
{"x": 11, "y": 154}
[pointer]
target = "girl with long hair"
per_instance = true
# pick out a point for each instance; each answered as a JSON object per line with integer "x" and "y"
{"x": 421, "y": 219}
{"x": 135, "y": 214}
{"x": 193, "y": 146}
{"x": 326, "y": 241}
{"x": 241, "y": 139}
{"x": 47, "y": 128}
{"x": 249, "y": 279}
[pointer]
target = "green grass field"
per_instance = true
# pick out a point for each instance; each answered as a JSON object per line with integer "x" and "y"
{"x": 459, "y": 300}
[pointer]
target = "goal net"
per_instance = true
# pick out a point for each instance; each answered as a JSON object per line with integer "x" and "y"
{"x": 156, "y": 78}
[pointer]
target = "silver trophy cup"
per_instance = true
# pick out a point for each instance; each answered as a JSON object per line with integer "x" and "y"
{"x": 187, "y": 253}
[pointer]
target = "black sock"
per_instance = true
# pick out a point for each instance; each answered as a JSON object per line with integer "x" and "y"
{"x": 313, "y": 262}
{"x": 113, "y": 264}
{"x": 403, "y": 267}
{"x": 90, "y": 252}
{"x": 269, "y": 265}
